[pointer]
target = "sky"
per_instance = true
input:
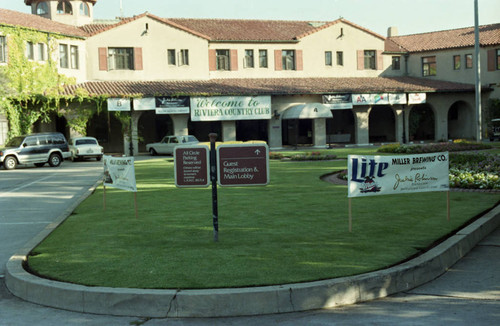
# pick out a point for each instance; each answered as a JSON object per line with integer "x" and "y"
{"x": 409, "y": 16}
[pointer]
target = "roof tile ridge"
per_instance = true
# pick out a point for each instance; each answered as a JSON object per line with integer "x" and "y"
{"x": 179, "y": 26}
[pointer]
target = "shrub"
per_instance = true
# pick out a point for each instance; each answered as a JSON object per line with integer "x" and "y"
{"x": 455, "y": 146}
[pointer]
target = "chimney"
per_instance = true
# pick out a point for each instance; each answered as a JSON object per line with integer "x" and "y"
{"x": 392, "y": 31}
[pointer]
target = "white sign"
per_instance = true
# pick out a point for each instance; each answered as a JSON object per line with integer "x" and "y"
{"x": 338, "y": 101}
{"x": 118, "y": 104}
{"x": 119, "y": 173}
{"x": 179, "y": 110}
{"x": 143, "y": 104}
{"x": 417, "y": 98}
{"x": 399, "y": 98}
{"x": 383, "y": 175}
{"x": 370, "y": 99}
{"x": 219, "y": 108}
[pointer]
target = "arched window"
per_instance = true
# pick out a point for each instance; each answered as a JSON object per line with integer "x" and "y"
{"x": 84, "y": 9}
{"x": 42, "y": 8}
{"x": 64, "y": 7}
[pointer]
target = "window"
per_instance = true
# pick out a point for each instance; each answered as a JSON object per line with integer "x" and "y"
{"x": 468, "y": 61}
{"x": 75, "y": 63}
{"x": 457, "y": 64}
{"x": 84, "y": 9}
{"x": 429, "y": 66}
{"x": 121, "y": 58}
{"x": 30, "y": 51}
{"x": 63, "y": 55}
{"x": 184, "y": 57}
{"x": 41, "y": 53}
{"x": 370, "y": 59}
{"x": 171, "y": 57}
{"x": 340, "y": 58}
{"x": 288, "y": 59}
{"x": 396, "y": 62}
{"x": 498, "y": 59}
{"x": 3, "y": 49}
{"x": 263, "y": 58}
{"x": 222, "y": 59}
{"x": 328, "y": 58}
{"x": 64, "y": 7}
{"x": 248, "y": 63}
{"x": 42, "y": 8}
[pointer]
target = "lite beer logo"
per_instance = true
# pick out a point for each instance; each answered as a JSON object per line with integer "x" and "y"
{"x": 365, "y": 172}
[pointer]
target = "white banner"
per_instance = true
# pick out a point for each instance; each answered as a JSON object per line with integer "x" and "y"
{"x": 417, "y": 98}
{"x": 143, "y": 104}
{"x": 118, "y": 104}
{"x": 399, "y": 98}
{"x": 119, "y": 172}
{"x": 383, "y": 175}
{"x": 370, "y": 99}
{"x": 219, "y": 108}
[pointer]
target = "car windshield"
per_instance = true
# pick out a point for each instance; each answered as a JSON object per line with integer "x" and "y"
{"x": 192, "y": 139}
{"x": 86, "y": 142}
{"x": 15, "y": 142}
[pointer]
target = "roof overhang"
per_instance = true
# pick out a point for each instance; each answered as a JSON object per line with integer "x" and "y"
{"x": 307, "y": 111}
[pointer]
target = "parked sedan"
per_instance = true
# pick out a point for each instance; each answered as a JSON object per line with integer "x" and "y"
{"x": 85, "y": 147}
{"x": 168, "y": 143}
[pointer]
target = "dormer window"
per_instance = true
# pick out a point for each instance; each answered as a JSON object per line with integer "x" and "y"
{"x": 84, "y": 9}
{"x": 64, "y": 7}
{"x": 42, "y": 8}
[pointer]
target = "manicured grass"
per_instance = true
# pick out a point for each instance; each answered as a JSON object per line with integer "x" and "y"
{"x": 293, "y": 230}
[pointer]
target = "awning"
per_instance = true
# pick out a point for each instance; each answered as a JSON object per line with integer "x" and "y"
{"x": 307, "y": 111}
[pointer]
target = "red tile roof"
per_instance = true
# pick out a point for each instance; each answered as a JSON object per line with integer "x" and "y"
{"x": 15, "y": 18}
{"x": 28, "y": 2}
{"x": 449, "y": 39}
{"x": 269, "y": 86}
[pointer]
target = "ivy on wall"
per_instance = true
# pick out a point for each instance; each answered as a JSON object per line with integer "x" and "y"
{"x": 33, "y": 90}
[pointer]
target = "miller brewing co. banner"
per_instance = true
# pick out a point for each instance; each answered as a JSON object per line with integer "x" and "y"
{"x": 383, "y": 175}
{"x": 119, "y": 173}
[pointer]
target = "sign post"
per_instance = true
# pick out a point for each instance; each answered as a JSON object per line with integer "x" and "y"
{"x": 213, "y": 178}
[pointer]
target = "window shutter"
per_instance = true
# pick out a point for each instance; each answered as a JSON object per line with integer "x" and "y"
{"x": 380, "y": 60}
{"x": 492, "y": 58}
{"x": 138, "y": 59}
{"x": 103, "y": 59}
{"x": 299, "y": 62}
{"x": 212, "y": 60}
{"x": 234, "y": 59}
{"x": 361, "y": 59}
{"x": 278, "y": 63}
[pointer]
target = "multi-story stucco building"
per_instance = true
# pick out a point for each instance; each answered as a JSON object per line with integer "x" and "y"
{"x": 285, "y": 82}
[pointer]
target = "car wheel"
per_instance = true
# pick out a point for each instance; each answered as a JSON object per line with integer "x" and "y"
{"x": 55, "y": 160}
{"x": 39, "y": 165}
{"x": 10, "y": 163}
{"x": 152, "y": 152}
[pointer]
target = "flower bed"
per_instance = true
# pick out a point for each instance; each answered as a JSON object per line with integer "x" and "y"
{"x": 455, "y": 146}
{"x": 311, "y": 156}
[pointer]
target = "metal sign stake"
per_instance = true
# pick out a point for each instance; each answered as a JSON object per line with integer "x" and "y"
{"x": 213, "y": 178}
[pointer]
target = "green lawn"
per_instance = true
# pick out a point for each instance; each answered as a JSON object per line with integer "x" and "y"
{"x": 293, "y": 230}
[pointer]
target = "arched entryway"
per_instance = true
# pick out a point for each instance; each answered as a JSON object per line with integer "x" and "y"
{"x": 460, "y": 121}
{"x": 153, "y": 127}
{"x": 382, "y": 124}
{"x": 341, "y": 128}
{"x": 55, "y": 123}
{"x": 201, "y": 129}
{"x": 422, "y": 123}
{"x": 251, "y": 130}
{"x": 107, "y": 129}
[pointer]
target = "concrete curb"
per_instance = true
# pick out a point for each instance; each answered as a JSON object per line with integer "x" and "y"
{"x": 243, "y": 301}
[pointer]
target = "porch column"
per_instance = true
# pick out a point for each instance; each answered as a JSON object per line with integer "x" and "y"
{"x": 228, "y": 130}
{"x": 180, "y": 122}
{"x": 361, "y": 114}
{"x": 319, "y": 132}
{"x": 135, "y": 135}
{"x": 399, "y": 110}
{"x": 441, "y": 127}
{"x": 275, "y": 133}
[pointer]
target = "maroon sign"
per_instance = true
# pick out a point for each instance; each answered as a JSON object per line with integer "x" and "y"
{"x": 243, "y": 165}
{"x": 192, "y": 166}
